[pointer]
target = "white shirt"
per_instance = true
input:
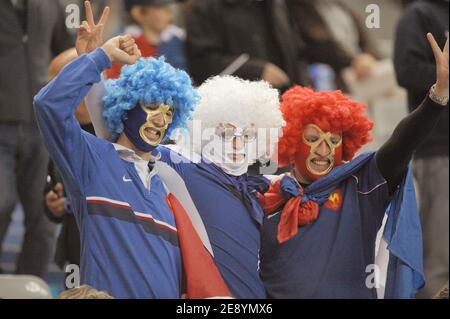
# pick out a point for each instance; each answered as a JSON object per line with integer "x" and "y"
{"x": 140, "y": 164}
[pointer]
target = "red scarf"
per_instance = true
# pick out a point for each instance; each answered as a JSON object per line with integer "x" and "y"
{"x": 297, "y": 210}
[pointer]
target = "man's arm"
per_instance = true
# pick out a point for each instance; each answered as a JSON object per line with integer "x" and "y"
{"x": 394, "y": 156}
{"x": 55, "y": 106}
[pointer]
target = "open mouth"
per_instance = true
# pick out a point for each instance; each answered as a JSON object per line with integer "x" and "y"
{"x": 152, "y": 134}
{"x": 320, "y": 164}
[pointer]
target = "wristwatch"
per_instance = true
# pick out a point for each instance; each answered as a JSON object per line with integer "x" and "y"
{"x": 441, "y": 100}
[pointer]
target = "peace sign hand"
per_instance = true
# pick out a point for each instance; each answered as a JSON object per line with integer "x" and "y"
{"x": 90, "y": 35}
{"x": 442, "y": 70}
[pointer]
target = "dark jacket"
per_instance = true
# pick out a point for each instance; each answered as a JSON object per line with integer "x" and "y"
{"x": 321, "y": 47}
{"x": 415, "y": 65}
{"x": 25, "y": 56}
{"x": 68, "y": 244}
{"x": 219, "y": 31}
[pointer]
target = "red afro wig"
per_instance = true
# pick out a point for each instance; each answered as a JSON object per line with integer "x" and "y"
{"x": 331, "y": 111}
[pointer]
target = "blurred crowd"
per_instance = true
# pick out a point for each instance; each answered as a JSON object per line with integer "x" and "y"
{"x": 324, "y": 44}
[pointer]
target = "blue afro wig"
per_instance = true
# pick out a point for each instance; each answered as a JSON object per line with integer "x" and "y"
{"x": 150, "y": 81}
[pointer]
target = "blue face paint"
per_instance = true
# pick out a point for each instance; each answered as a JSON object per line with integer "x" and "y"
{"x": 139, "y": 119}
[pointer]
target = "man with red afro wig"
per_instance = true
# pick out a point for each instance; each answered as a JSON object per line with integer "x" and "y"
{"x": 322, "y": 219}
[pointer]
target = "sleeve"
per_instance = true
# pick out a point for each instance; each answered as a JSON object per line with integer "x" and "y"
{"x": 55, "y": 106}
{"x": 394, "y": 156}
{"x": 205, "y": 46}
{"x": 413, "y": 58}
{"x": 373, "y": 194}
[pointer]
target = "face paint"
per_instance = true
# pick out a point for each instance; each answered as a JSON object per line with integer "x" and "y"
{"x": 311, "y": 162}
{"x": 232, "y": 149}
{"x": 146, "y": 125}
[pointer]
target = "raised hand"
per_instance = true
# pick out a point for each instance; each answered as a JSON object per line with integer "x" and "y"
{"x": 122, "y": 49}
{"x": 441, "y": 57}
{"x": 90, "y": 35}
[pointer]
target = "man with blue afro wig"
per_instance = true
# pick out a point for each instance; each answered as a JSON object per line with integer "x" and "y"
{"x": 136, "y": 238}
{"x": 147, "y": 102}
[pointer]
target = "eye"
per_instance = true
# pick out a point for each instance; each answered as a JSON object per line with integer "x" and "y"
{"x": 229, "y": 132}
{"x": 169, "y": 113}
{"x": 336, "y": 139}
{"x": 311, "y": 139}
{"x": 151, "y": 107}
{"x": 249, "y": 135}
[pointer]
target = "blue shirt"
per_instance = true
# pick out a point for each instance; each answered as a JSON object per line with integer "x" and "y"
{"x": 234, "y": 235}
{"x": 129, "y": 242}
{"x": 329, "y": 257}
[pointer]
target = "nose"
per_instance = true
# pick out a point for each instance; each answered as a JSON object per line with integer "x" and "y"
{"x": 238, "y": 143}
{"x": 158, "y": 120}
{"x": 323, "y": 149}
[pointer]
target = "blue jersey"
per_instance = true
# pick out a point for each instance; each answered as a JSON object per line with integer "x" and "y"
{"x": 129, "y": 242}
{"x": 329, "y": 257}
{"x": 234, "y": 235}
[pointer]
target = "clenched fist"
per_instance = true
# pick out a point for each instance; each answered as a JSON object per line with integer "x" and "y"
{"x": 122, "y": 49}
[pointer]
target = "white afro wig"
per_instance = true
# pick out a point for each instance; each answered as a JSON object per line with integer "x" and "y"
{"x": 228, "y": 99}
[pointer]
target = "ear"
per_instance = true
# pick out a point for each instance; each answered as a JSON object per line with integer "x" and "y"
{"x": 136, "y": 13}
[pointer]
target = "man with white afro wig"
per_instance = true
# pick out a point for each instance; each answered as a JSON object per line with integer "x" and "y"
{"x": 236, "y": 107}
{"x": 235, "y": 123}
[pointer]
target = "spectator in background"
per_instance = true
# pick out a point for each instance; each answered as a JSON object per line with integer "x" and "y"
{"x": 414, "y": 64}
{"x": 31, "y": 32}
{"x": 335, "y": 35}
{"x": 57, "y": 205}
{"x": 154, "y": 33}
{"x": 247, "y": 38}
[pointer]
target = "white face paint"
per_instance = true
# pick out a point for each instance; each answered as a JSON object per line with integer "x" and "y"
{"x": 233, "y": 148}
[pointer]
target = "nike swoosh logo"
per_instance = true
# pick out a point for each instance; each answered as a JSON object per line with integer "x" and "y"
{"x": 126, "y": 180}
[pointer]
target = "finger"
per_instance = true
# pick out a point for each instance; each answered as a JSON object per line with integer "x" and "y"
{"x": 126, "y": 58}
{"x": 435, "y": 47}
{"x": 98, "y": 31}
{"x": 130, "y": 51}
{"x": 446, "y": 48}
{"x": 125, "y": 38}
{"x": 135, "y": 52}
{"x": 51, "y": 196}
{"x": 60, "y": 202}
{"x": 128, "y": 44}
{"x": 105, "y": 16}
{"x": 138, "y": 53}
{"x": 84, "y": 27}
{"x": 59, "y": 189}
{"x": 89, "y": 14}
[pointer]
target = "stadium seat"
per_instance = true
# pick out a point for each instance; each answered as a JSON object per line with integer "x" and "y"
{"x": 23, "y": 287}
